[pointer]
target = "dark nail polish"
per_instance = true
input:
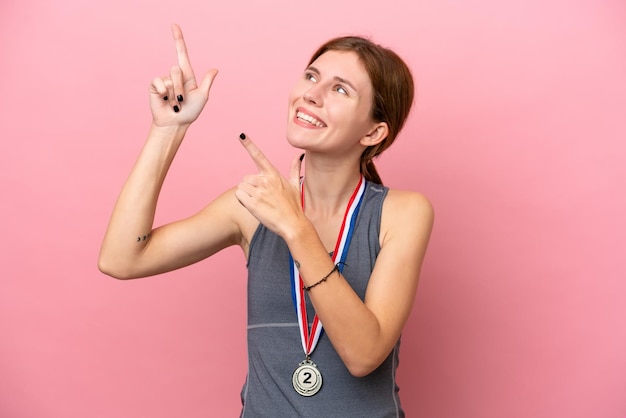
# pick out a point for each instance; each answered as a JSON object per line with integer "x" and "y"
{"x": 165, "y": 98}
{"x": 302, "y": 157}
{"x": 176, "y": 109}
{"x": 179, "y": 98}
{"x": 242, "y": 136}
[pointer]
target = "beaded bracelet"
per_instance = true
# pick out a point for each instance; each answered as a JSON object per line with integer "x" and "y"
{"x": 323, "y": 279}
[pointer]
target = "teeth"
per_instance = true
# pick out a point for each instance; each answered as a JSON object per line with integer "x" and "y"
{"x": 309, "y": 119}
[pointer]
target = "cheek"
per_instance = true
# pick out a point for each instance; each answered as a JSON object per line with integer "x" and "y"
{"x": 355, "y": 120}
{"x": 291, "y": 100}
{"x": 344, "y": 113}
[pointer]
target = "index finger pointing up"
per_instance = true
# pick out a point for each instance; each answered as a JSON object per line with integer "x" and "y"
{"x": 260, "y": 160}
{"x": 183, "y": 57}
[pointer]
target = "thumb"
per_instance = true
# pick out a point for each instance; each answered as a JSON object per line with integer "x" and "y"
{"x": 296, "y": 168}
{"x": 207, "y": 81}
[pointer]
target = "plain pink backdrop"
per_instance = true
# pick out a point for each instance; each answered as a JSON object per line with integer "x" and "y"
{"x": 517, "y": 137}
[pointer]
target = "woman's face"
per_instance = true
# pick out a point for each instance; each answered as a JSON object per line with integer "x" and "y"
{"x": 330, "y": 105}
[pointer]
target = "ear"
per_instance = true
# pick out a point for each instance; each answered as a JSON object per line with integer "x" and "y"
{"x": 376, "y": 135}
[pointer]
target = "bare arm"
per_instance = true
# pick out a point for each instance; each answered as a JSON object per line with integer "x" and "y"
{"x": 362, "y": 332}
{"x": 130, "y": 247}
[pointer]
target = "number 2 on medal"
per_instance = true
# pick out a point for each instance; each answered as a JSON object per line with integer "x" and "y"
{"x": 307, "y": 380}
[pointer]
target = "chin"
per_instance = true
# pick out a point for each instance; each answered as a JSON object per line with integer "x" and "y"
{"x": 296, "y": 142}
{"x": 304, "y": 138}
{"x": 296, "y": 137}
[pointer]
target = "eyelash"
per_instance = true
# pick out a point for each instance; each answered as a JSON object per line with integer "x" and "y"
{"x": 338, "y": 88}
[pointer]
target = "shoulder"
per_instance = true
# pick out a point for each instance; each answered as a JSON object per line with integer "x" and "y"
{"x": 406, "y": 212}
{"x": 399, "y": 203}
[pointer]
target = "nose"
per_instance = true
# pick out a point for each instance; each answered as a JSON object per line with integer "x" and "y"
{"x": 313, "y": 95}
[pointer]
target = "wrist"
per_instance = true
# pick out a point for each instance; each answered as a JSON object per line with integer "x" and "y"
{"x": 168, "y": 131}
{"x": 299, "y": 232}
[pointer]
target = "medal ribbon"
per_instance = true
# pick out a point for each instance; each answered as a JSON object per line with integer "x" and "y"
{"x": 310, "y": 338}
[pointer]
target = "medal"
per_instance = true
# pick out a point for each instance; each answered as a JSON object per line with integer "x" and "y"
{"x": 307, "y": 378}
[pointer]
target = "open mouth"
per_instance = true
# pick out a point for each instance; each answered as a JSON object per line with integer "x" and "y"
{"x": 309, "y": 119}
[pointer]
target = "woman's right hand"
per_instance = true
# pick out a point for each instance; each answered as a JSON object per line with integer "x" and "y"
{"x": 177, "y": 99}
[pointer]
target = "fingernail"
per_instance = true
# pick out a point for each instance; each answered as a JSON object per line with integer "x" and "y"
{"x": 302, "y": 157}
{"x": 179, "y": 98}
{"x": 165, "y": 98}
{"x": 242, "y": 136}
{"x": 176, "y": 109}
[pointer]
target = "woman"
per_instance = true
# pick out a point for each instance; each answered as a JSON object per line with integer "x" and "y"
{"x": 332, "y": 250}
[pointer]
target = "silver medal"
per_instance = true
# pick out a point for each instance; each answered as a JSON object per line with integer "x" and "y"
{"x": 307, "y": 379}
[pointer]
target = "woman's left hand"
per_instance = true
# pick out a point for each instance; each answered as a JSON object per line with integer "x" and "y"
{"x": 271, "y": 198}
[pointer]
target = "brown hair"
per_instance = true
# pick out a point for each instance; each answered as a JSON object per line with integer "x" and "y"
{"x": 393, "y": 87}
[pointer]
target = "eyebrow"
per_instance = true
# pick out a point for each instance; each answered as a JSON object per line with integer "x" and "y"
{"x": 336, "y": 78}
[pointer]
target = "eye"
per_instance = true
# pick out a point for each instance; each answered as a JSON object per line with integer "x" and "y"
{"x": 340, "y": 89}
{"x": 310, "y": 77}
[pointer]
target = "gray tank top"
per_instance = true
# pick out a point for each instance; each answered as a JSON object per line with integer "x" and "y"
{"x": 274, "y": 347}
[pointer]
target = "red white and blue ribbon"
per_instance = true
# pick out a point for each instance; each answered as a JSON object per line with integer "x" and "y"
{"x": 310, "y": 337}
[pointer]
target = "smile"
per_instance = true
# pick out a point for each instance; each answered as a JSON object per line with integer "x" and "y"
{"x": 309, "y": 119}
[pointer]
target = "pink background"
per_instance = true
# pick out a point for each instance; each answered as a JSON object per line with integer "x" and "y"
{"x": 518, "y": 138}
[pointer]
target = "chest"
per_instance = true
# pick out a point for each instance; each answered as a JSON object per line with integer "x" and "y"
{"x": 328, "y": 231}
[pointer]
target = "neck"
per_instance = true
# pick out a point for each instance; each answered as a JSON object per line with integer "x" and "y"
{"x": 327, "y": 190}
